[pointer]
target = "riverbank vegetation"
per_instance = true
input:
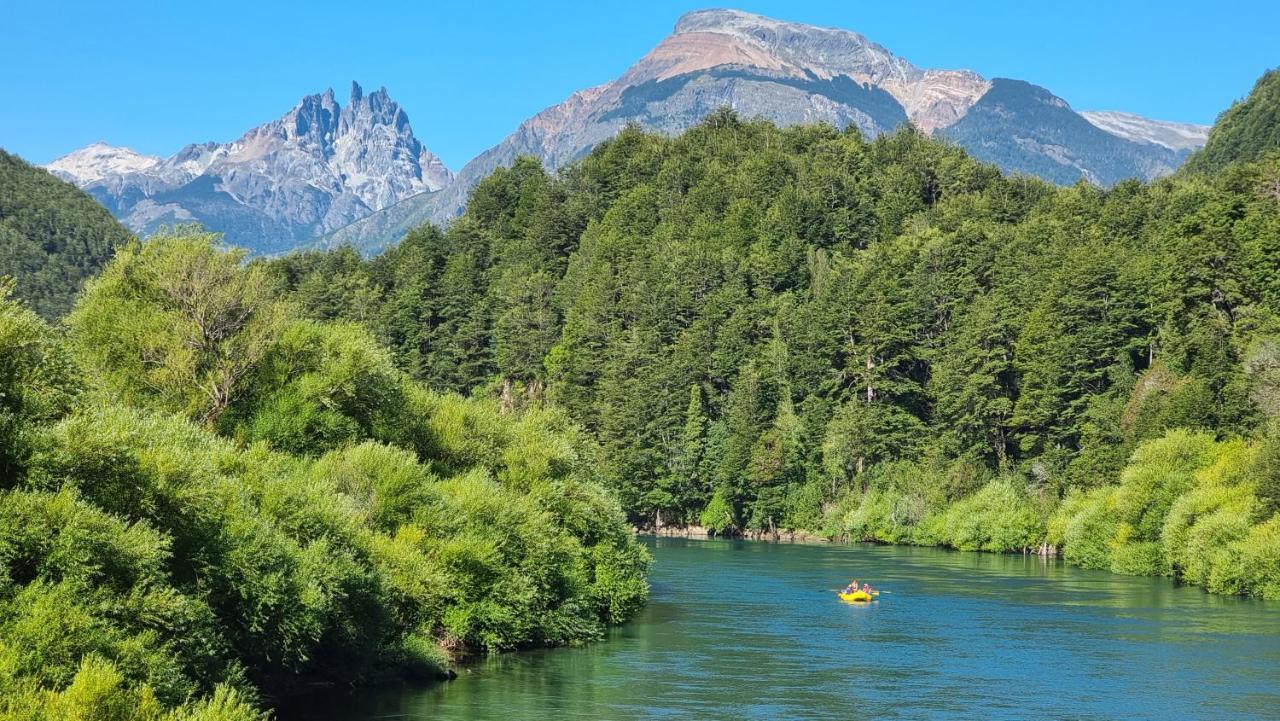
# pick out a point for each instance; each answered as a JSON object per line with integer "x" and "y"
{"x": 768, "y": 329}
{"x": 207, "y": 501}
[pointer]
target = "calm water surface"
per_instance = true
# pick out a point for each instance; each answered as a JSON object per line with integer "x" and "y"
{"x": 748, "y": 630}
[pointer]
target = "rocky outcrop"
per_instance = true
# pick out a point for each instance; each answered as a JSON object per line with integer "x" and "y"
{"x": 320, "y": 167}
{"x": 1025, "y": 128}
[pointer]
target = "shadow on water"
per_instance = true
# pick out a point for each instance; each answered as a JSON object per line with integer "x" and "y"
{"x": 740, "y": 629}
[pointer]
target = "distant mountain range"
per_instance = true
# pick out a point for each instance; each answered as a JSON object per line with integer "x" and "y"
{"x": 318, "y": 168}
{"x": 324, "y": 176}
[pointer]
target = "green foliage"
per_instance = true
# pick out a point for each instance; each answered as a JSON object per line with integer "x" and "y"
{"x": 884, "y": 339}
{"x": 37, "y": 381}
{"x": 1265, "y": 472}
{"x": 177, "y": 324}
{"x": 1244, "y": 132}
{"x": 834, "y": 305}
{"x": 52, "y": 236}
{"x": 1159, "y": 472}
{"x": 245, "y": 484}
{"x": 242, "y": 499}
{"x": 1000, "y": 517}
{"x": 1186, "y": 506}
{"x": 1087, "y": 537}
{"x": 1252, "y": 565}
{"x": 718, "y": 516}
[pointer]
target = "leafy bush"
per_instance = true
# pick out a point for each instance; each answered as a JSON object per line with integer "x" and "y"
{"x": 1202, "y": 524}
{"x": 717, "y": 517}
{"x": 1159, "y": 472}
{"x": 1252, "y": 564}
{"x": 358, "y": 525}
{"x": 36, "y": 380}
{"x": 1087, "y": 539}
{"x": 999, "y": 517}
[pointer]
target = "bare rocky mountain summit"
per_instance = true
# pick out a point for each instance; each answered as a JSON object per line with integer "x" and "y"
{"x": 318, "y": 168}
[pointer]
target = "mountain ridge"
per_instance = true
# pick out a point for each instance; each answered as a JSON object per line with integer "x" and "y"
{"x": 318, "y": 167}
{"x": 326, "y": 175}
{"x": 792, "y": 73}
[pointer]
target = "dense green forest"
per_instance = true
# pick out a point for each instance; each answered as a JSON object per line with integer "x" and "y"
{"x": 1247, "y": 131}
{"x": 207, "y": 501}
{"x": 52, "y": 236}
{"x": 771, "y": 329}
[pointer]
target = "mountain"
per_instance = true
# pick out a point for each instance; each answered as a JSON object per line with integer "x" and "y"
{"x": 1024, "y": 128}
{"x": 1247, "y": 131}
{"x": 99, "y": 161}
{"x": 791, "y": 73}
{"x": 319, "y": 167}
{"x": 52, "y": 236}
{"x": 1175, "y": 136}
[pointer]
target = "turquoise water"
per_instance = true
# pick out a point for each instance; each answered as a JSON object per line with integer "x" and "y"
{"x": 748, "y": 630}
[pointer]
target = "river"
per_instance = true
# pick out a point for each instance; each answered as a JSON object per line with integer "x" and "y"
{"x": 750, "y": 630}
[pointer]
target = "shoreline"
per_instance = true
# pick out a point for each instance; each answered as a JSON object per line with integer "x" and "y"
{"x": 702, "y": 532}
{"x": 1045, "y": 551}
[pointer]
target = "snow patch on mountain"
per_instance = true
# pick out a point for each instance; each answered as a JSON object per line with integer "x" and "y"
{"x": 99, "y": 160}
{"x": 1175, "y": 136}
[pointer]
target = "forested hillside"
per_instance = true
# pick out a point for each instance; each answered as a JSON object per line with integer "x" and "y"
{"x": 1247, "y": 131}
{"x": 208, "y": 502}
{"x": 52, "y": 236}
{"x": 799, "y": 329}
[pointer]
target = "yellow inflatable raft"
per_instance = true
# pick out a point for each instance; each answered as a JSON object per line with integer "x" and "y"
{"x": 859, "y": 596}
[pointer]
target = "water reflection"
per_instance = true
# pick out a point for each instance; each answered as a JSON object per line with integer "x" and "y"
{"x": 752, "y": 630}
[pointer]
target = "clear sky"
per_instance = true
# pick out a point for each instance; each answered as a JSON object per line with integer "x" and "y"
{"x": 156, "y": 75}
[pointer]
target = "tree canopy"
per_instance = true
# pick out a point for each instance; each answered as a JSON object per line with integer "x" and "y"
{"x": 205, "y": 498}
{"x": 52, "y": 236}
{"x": 1245, "y": 132}
{"x": 798, "y": 328}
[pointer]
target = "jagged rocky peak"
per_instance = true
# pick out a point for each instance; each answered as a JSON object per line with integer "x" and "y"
{"x": 316, "y": 116}
{"x": 316, "y": 168}
{"x": 376, "y": 108}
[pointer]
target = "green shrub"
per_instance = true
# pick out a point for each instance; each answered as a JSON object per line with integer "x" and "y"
{"x": 999, "y": 517}
{"x": 886, "y": 515}
{"x": 717, "y": 517}
{"x": 1211, "y": 539}
{"x": 37, "y": 381}
{"x": 1265, "y": 472}
{"x": 1252, "y": 565}
{"x": 1138, "y": 558}
{"x": 1201, "y": 525}
{"x": 1160, "y": 471}
{"x": 1087, "y": 540}
{"x": 386, "y": 483}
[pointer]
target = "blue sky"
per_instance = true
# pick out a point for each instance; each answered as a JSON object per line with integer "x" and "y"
{"x": 154, "y": 76}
